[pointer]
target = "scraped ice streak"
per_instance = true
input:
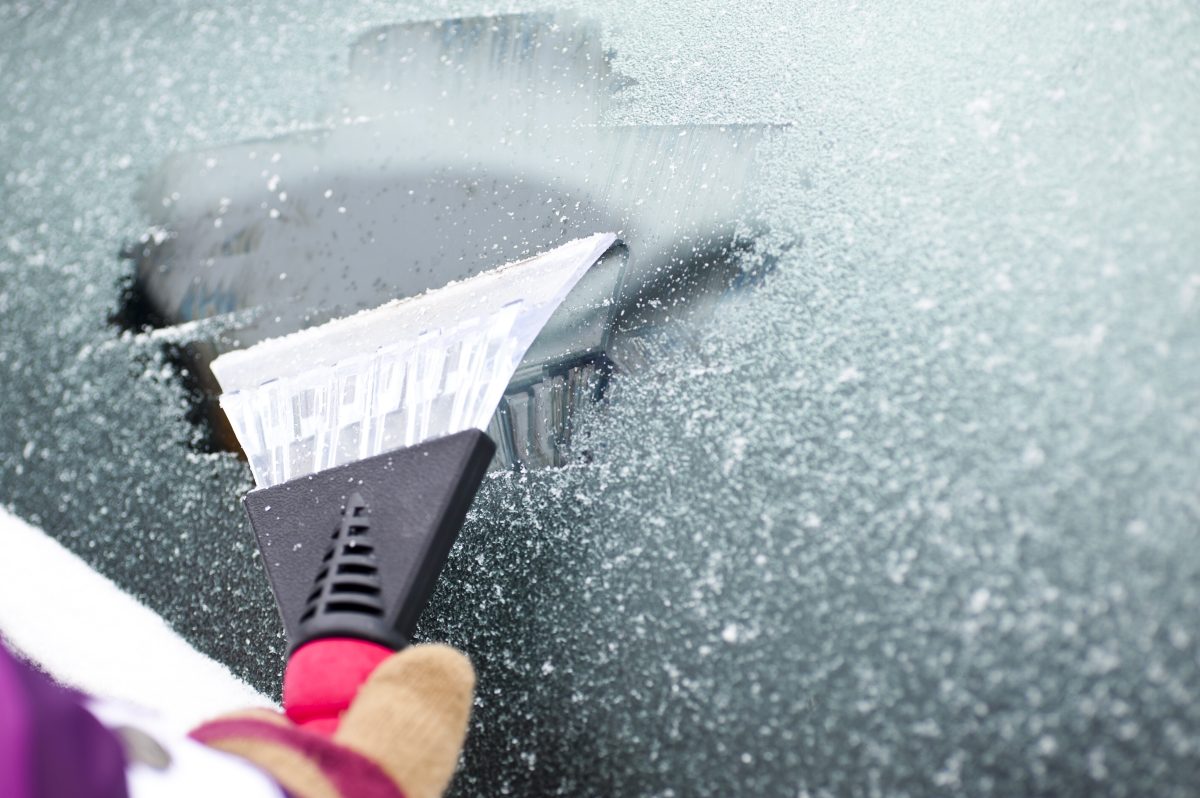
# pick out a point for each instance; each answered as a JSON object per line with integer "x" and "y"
{"x": 395, "y": 376}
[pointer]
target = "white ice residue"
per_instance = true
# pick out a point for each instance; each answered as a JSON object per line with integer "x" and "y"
{"x": 99, "y": 639}
{"x": 395, "y": 376}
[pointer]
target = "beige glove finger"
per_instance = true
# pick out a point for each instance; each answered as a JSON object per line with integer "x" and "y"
{"x": 411, "y": 717}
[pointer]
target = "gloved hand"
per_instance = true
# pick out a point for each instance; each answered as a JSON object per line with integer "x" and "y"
{"x": 400, "y": 736}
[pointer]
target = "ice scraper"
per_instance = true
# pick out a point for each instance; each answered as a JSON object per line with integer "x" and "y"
{"x": 365, "y": 438}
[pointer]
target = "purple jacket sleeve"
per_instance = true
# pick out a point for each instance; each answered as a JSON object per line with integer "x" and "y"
{"x": 50, "y": 745}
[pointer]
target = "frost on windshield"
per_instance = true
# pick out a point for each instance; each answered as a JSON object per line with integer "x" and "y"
{"x": 918, "y": 515}
{"x": 457, "y": 145}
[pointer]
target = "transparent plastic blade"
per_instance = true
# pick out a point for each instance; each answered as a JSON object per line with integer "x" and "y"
{"x": 406, "y": 372}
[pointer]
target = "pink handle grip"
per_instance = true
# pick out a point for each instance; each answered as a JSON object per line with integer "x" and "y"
{"x": 322, "y": 678}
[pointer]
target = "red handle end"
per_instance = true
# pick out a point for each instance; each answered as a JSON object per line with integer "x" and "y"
{"x": 322, "y": 678}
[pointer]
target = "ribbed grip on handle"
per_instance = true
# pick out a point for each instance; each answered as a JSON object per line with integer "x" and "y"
{"x": 347, "y": 590}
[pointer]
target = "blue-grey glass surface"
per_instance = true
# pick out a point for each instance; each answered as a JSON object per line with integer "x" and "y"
{"x": 916, "y": 512}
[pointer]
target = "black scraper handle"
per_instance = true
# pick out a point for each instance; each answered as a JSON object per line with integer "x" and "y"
{"x": 355, "y": 551}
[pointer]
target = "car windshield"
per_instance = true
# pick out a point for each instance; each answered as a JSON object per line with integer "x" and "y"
{"x": 869, "y": 466}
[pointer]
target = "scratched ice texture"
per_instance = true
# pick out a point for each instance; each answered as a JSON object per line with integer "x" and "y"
{"x": 920, "y": 515}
